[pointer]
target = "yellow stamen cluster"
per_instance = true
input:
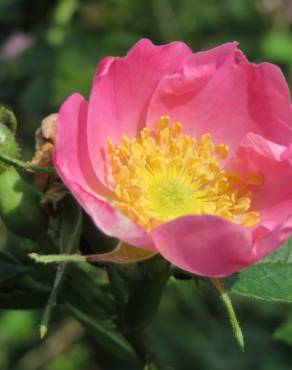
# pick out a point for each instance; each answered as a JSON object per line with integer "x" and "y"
{"x": 164, "y": 174}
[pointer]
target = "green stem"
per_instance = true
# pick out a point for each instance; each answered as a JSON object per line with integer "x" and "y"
{"x": 230, "y": 311}
{"x": 25, "y": 166}
{"x": 69, "y": 244}
{"x": 52, "y": 300}
{"x": 57, "y": 258}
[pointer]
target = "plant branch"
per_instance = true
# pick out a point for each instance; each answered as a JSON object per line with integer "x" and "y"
{"x": 68, "y": 242}
{"x": 230, "y": 311}
{"x": 25, "y": 166}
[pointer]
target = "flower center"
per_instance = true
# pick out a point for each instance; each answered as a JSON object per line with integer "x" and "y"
{"x": 164, "y": 174}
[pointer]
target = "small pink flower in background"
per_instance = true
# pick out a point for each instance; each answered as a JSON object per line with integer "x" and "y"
{"x": 15, "y": 45}
{"x": 184, "y": 154}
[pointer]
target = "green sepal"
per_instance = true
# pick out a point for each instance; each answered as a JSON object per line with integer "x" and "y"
{"x": 8, "y": 119}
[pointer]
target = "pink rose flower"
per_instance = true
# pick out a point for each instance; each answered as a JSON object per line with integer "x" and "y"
{"x": 184, "y": 154}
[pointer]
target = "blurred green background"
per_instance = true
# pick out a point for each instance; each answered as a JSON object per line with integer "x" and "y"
{"x": 49, "y": 49}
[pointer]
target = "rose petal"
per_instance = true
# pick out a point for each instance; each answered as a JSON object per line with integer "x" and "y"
{"x": 70, "y": 157}
{"x": 273, "y": 197}
{"x": 204, "y": 245}
{"x": 269, "y": 240}
{"x": 110, "y": 221}
{"x": 121, "y": 93}
{"x": 221, "y": 93}
{"x": 270, "y": 104}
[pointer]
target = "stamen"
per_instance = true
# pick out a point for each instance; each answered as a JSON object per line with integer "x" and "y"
{"x": 164, "y": 174}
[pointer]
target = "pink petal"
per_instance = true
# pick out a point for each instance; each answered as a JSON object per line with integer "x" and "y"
{"x": 204, "y": 245}
{"x": 220, "y": 92}
{"x": 71, "y": 158}
{"x": 269, "y": 240}
{"x": 72, "y": 163}
{"x": 270, "y": 104}
{"x": 197, "y": 70}
{"x": 110, "y": 221}
{"x": 121, "y": 93}
{"x": 274, "y": 196}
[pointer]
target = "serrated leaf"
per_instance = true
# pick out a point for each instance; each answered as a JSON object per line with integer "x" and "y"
{"x": 270, "y": 279}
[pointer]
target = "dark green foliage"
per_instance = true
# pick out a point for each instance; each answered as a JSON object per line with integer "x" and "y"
{"x": 145, "y": 294}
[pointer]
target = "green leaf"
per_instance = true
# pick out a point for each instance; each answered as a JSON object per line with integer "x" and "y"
{"x": 9, "y": 271}
{"x": 64, "y": 12}
{"x": 146, "y": 294}
{"x": 71, "y": 224}
{"x": 8, "y": 145}
{"x": 15, "y": 245}
{"x": 85, "y": 289}
{"x": 271, "y": 279}
{"x": 105, "y": 335}
{"x": 19, "y": 206}
{"x": 284, "y": 332}
{"x": 277, "y": 46}
{"x": 119, "y": 290}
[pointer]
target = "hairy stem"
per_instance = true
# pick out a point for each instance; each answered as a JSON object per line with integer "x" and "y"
{"x": 25, "y": 166}
{"x": 230, "y": 311}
